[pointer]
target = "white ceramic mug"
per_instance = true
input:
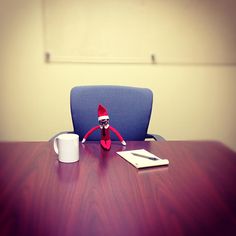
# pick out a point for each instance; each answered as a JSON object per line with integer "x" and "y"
{"x": 67, "y": 147}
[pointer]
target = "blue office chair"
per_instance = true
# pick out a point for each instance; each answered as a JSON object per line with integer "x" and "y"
{"x": 129, "y": 110}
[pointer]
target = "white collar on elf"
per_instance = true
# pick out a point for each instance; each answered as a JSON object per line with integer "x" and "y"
{"x": 105, "y": 126}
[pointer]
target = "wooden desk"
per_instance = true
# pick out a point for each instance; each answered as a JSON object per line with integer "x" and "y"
{"x": 102, "y": 194}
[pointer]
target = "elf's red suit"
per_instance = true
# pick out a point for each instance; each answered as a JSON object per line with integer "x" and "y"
{"x": 103, "y": 119}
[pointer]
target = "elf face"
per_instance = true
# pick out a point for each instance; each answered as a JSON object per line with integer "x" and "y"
{"x": 104, "y": 123}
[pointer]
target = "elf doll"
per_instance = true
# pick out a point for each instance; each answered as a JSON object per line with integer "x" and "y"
{"x": 105, "y": 128}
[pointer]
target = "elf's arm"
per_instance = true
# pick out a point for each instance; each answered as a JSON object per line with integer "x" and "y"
{"x": 90, "y": 132}
{"x": 118, "y": 135}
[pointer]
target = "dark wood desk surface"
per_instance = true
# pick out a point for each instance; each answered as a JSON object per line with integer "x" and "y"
{"x": 102, "y": 194}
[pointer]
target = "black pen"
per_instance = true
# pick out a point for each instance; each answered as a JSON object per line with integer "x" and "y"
{"x": 147, "y": 157}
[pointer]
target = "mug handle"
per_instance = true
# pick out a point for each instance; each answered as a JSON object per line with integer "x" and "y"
{"x": 55, "y": 145}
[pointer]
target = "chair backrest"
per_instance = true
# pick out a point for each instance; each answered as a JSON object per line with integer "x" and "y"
{"x": 129, "y": 110}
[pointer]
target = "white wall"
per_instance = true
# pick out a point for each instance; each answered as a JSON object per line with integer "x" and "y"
{"x": 190, "y": 101}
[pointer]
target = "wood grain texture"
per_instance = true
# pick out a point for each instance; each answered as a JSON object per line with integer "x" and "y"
{"x": 102, "y": 194}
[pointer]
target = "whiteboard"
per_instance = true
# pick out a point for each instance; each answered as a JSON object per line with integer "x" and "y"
{"x": 140, "y": 31}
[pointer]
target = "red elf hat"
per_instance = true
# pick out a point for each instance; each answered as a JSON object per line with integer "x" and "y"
{"x": 102, "y": 112}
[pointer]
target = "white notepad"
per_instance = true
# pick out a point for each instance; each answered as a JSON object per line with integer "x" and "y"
{"x": 141, "y": 158}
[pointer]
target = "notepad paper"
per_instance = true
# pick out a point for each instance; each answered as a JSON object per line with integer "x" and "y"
{"x": 141, "y": 162}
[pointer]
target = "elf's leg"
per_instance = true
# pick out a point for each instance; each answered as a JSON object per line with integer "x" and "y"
{"x": 106, "y": 144}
